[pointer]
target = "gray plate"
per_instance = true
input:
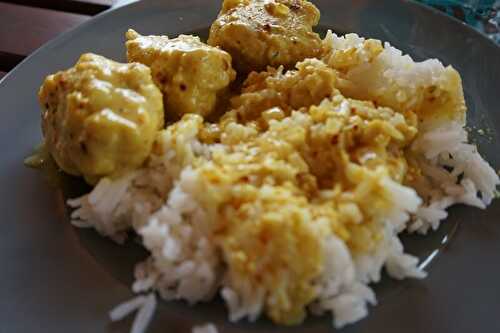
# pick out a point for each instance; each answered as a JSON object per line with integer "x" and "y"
{"x": 59, "y": 279}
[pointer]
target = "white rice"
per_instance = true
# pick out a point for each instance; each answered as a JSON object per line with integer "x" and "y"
{"x": 160, "y": 203}
{"x": 183, "y": 260}
{"x": 391, "y": 78}
{"x": 145, "y": 307}
{"x": 184, "y": 265}
{"x": 124, "y": 309}
{"x": 207, "y": 328}
{"x": 446, "y": 147}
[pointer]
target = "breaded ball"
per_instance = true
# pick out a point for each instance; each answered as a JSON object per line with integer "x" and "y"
{"x": 100, "y": 117}
{"x": 261, "y": 33}
{"x": 190, "y": 74}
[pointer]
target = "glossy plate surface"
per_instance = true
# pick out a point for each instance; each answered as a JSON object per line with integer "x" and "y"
{"x": 59, "y": 279}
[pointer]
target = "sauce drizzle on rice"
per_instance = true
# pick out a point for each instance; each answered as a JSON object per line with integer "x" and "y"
{"x": 299, "y": 211}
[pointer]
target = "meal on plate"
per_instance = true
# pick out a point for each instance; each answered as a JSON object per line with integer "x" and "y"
{"x": 269, "y": 165}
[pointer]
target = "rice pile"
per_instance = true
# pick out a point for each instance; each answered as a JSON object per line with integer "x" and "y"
{"x": 211, "y": 214}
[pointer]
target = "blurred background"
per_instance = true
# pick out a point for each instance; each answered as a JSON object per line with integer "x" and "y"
{"x": 483, "y": 15}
